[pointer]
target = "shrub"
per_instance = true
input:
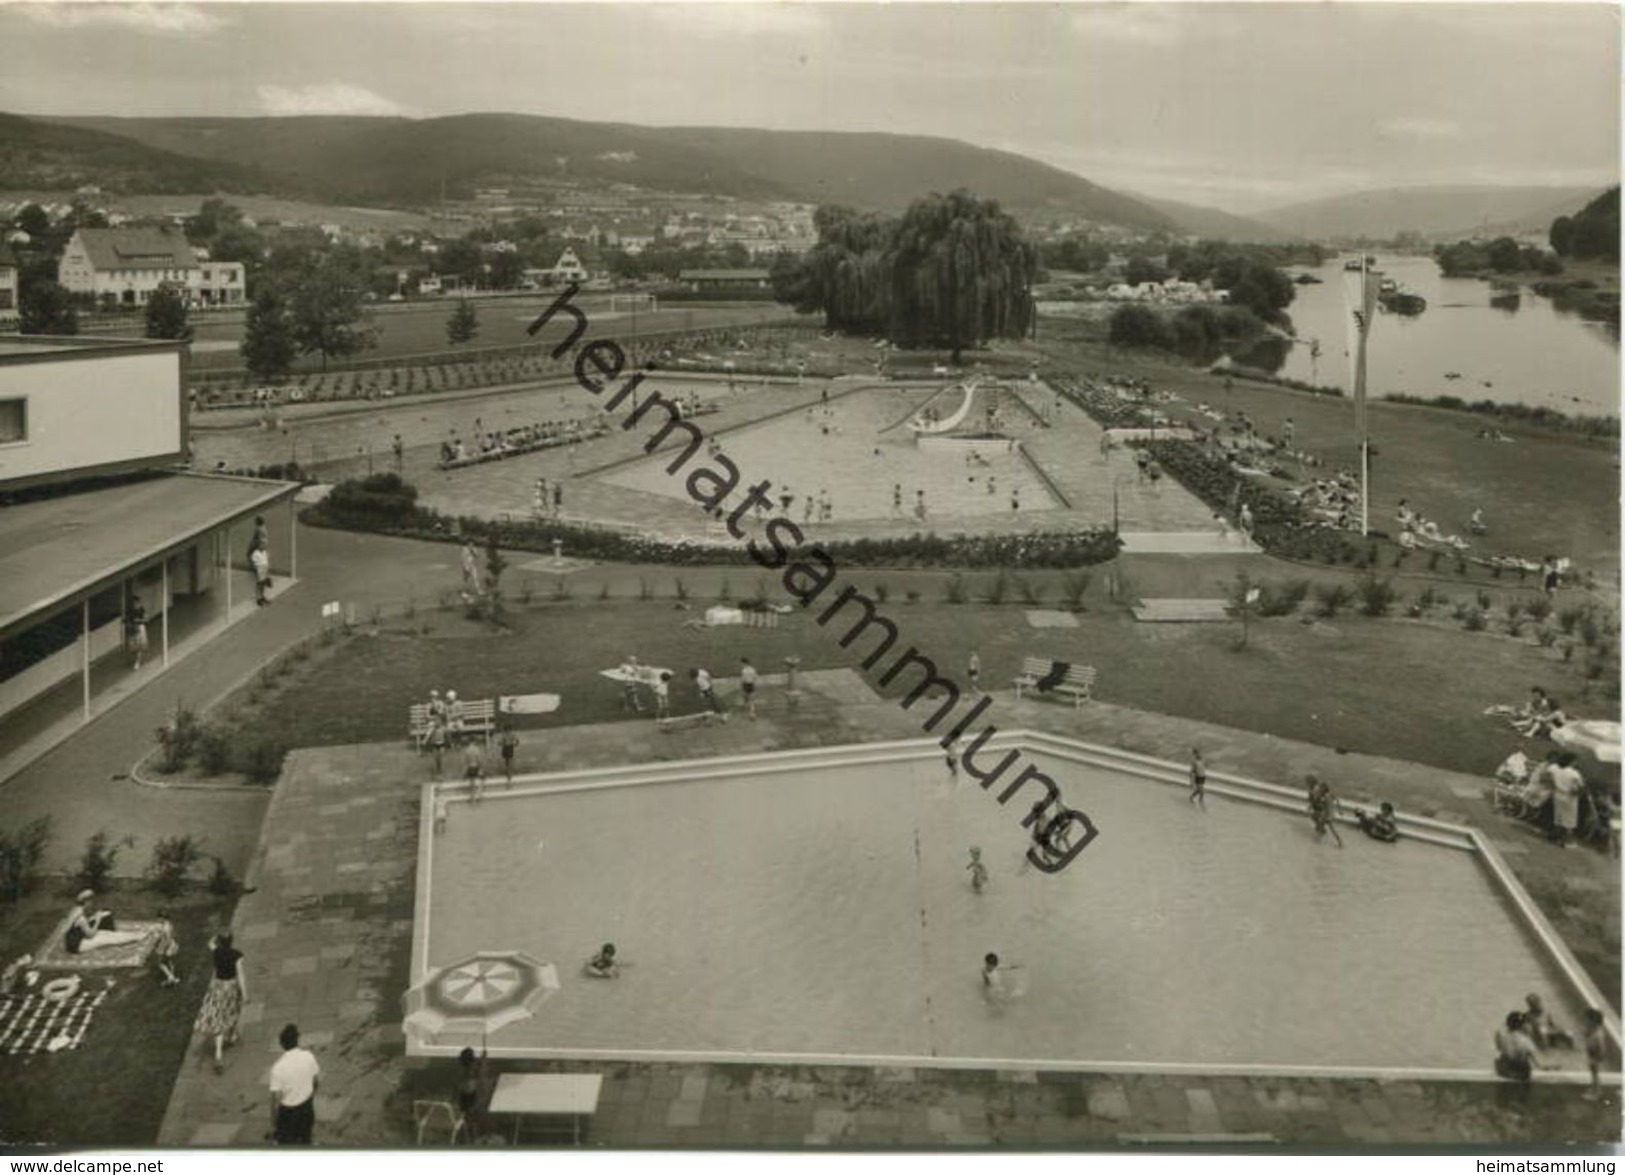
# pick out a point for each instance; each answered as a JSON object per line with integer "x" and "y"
{"x": 1282, "y": 599}
{"x": 1461, "y": 566}
{"x": 882, "y": 593}
{"x": 955, "y": 593}
{"x": 1515, "y": 625}
{"x": 177, "y": 739}
{"x": 1030, "y": 594}
{"x": 1568, "y": 619}
{"x": 1484, "y": 600}
{"x": 1331, "y": 597}
{"x": 1074, "y": 587}
{"x": 20, "y": 855}
{"x": 1377, "y": 596}
{"x": 1433, "y": 561}
{"x": 1476, "y": 621}
{"x": 1545, "y": 637}
{"x": 260, "y": 758}
{"x": 96, "y": 866}
{"x": 1590, "y": 630}
{"x": 999, "y": 590}
{"x": 1568, "y": 650}
{"x": 173, "y": 858}
{"x": 912, "y": 595}
{"x": 1427, "y": 599}
{"x": 217, "y": 748}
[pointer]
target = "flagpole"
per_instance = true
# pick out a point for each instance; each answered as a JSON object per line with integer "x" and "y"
{"x": 1362, "y": 425}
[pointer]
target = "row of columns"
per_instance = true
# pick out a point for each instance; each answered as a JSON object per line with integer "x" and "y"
{"x": 163, "y": 625}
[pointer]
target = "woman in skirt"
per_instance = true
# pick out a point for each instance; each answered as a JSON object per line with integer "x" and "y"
{"x": 223, "y": 1004}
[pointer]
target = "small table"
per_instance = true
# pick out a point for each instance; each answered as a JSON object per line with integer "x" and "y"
{"x": 521, "y": 1094}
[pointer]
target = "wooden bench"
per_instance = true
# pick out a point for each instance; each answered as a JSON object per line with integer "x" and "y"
{"x": 476, "y": 717}
{"x": 1079, "y": 681}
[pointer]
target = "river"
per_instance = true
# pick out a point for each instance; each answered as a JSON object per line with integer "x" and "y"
{"x": 1533, "y": 355}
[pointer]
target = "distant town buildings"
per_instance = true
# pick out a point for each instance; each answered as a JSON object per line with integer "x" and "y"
{"x": 126, "y": 266}
{"x": 8, "y": 289}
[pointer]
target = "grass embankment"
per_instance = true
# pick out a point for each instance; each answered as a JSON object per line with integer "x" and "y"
{"x": 113, "y": 1089}
{"x": 419, "y": 328}
{"x": 1546, "y": 492}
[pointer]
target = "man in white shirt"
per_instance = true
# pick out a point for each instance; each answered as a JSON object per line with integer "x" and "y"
{"x": 293, "y": 1091}
{"x": 707, "y": 691}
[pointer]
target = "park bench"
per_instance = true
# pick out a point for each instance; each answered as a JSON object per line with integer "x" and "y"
{"x": 477, "y": 717}
{"x": 1078, "y": 681}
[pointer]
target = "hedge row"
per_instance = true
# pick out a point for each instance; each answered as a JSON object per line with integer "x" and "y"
{"x": 383, "y": 504}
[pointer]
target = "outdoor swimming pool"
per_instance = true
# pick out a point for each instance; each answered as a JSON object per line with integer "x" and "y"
{"x": 846, "y": 454}
{"x": 824, "y": 913}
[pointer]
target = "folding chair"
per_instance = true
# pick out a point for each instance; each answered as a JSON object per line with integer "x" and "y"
{"x": 425, "y": 1112}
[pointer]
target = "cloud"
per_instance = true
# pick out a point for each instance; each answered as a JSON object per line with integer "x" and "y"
{"x": 1426, "y": 129}
{"x": 165, "y": 19}
{"x": 327, "y": 98}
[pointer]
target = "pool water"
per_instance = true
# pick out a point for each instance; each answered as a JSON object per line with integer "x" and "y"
{"x": 827, "y": 913}
{"x": 844, "y": 452}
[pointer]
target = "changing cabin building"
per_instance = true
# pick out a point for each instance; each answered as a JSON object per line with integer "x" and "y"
{"x": 100, "y": 522}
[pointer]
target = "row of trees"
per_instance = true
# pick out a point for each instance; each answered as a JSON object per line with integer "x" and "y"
{"x": 1593, "y": 232}
{"x": 1502, "y": 255}
{"x": 309, "y": 301}
{"x": 952, "y": 271}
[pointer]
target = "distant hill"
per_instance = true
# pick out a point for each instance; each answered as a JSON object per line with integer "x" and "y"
{"x": 1216, "y": 225}
{"x": 401, "y": 161}
{"x": 1441, "y": 211}
{"x": 35, "y": 154}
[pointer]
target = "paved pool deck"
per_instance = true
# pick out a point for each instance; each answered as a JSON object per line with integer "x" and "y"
{"x": 327, "y": 937}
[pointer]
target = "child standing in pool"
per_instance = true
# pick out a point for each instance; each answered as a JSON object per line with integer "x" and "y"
{"x": 1321, "y": 805}
{"x": 978, "y": 871}
{"x": 1198, "y": 779}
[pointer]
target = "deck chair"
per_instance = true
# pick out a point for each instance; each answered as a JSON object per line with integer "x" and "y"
{"x": 425, "y": 1112}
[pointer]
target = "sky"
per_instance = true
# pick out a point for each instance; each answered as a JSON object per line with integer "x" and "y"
{"x": 1238, "y": 106}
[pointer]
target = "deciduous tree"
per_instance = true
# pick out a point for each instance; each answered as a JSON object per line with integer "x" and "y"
{"x": 268, "y": 347}
{"x": 166, "y": 315}
{"x": 463, "y": 324}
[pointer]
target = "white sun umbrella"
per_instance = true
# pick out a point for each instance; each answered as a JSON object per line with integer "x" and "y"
{"x": 478, "y": 995}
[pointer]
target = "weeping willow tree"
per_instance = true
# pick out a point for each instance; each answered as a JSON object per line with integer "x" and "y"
{"x": 961, "y": 273}
{"x": 952, "y": 271}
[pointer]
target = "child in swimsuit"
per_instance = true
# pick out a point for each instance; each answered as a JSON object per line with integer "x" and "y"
{"x": 978, "y": 871}
{"x": 603, "y": 964}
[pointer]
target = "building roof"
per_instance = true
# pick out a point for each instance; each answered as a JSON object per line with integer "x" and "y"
{"x": 136, "y": 248}
{"x": 724, "y": 275}
{"x": 57, "y": 550}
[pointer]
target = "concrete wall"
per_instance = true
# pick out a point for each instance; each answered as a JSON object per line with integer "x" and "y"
{"x": 93, "y": 410}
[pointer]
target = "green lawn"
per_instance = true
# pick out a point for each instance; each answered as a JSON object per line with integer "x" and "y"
{"x": 1392, "y": 687}
{"x": 113, "y": 1089}
{"x": 420, "y": 327}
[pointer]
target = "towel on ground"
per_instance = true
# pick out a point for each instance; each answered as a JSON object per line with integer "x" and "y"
{"x": 30, "y": 1023}
{"x": 54, "y": 952}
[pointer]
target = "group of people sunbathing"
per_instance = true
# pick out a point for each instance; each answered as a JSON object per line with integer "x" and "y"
{"x": 1334, "y": 500}
{"x": 1415, "y": 531}
{"x": 487, "y": 446}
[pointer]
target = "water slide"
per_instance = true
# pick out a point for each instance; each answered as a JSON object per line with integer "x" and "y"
{"x": 952, "y": 422}
{"x": 914, "y": 412}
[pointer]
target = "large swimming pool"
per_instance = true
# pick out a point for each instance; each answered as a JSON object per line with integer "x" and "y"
{"x": 818, "y": 907}
{"x": 860, "y": 455}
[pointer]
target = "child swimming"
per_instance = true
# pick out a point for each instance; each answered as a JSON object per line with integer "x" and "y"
{"x": 603, "y": 965}
{"x": 978, "y": 871}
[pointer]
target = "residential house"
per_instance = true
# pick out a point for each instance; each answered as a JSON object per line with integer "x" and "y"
{"x": 126, "y": 266}
{"x": 725, "y": 281}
